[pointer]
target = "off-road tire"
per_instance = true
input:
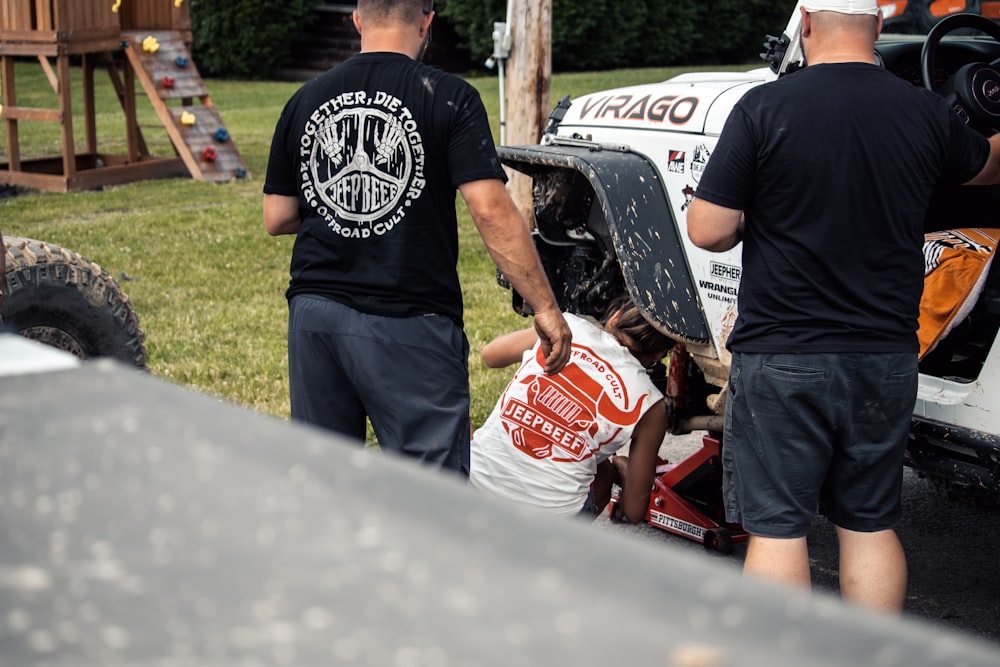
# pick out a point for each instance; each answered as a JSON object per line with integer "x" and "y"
{"x": 62, "y": 299}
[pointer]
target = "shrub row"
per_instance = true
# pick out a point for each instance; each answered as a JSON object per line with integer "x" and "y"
{"x": 604, "y": 34}
{"x": 249, "y": 38}
{"x": 246, "y": 39}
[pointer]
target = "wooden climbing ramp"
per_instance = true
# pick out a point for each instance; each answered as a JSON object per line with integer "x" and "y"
{"x": 163, "y": 66}
{"x": 111, "y": 34}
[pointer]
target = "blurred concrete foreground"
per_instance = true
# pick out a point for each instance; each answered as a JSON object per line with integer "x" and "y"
{"x": 145, "y": 524}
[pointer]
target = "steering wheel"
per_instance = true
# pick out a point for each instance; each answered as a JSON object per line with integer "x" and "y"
{"x": 974, "y": 91}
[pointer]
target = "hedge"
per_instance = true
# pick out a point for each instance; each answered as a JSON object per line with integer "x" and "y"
{"x": 250, "y": 38}
{"x": 603, "y": 34}
{"x": 246, "y": 39}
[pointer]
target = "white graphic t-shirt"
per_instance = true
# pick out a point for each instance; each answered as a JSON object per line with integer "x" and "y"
{"x": 547, "y": 433}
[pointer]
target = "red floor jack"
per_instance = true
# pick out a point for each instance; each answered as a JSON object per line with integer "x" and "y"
{"x": 687, "y": 499}
{"x": 687, "y": 496}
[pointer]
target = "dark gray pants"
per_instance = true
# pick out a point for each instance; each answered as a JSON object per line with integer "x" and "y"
{"x": 408, "y": 375}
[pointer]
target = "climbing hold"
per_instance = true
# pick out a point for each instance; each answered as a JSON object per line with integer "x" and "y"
{"x": 168, "y": 82}
{"x": 178, "y": 3}
{"x": 240, "y": 172}
{"x": 188, "y": 118}
{"x": 181, "y": 61}
{"x": 209, "y": 154}
{"x": 115, "y": 7}
{"x": 221, "y": 135}
{"x": 150, "y": 44}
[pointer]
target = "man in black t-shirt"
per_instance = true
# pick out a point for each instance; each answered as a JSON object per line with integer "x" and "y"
{"x": 364, "y": 166}
{"x": 824, "y": 373}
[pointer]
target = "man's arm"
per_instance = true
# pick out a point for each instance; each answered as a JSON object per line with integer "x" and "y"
{"x": 281, "y": 214}
{"x": 714, "y": 227}
{"x": 509, "y": 243}
{"x": 990, "y": 173}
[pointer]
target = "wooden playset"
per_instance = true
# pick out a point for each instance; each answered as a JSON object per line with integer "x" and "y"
{"x": 153, "y": 38}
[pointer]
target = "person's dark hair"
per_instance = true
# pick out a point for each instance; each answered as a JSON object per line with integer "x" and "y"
{"x": 646, "y": 340}
{"x": 410, "y": 11}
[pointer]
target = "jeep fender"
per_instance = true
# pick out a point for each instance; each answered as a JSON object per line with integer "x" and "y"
{"x": 643, "y": 231}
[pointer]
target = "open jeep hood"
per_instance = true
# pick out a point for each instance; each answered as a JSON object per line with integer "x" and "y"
{"x": 644, "y": 232}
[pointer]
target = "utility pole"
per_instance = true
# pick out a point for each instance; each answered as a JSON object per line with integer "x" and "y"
{"x": 529, "y": 79}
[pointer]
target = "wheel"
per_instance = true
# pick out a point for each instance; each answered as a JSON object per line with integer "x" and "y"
{"x": 719, "y": 539}
{"x": 974, "y": 91}
{"x": 62, "y": 299}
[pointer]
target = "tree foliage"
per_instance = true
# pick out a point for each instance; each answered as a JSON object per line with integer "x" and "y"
{"x": 603, "y": 34}
{"x": 733, "y": 31}
{"x": 250, "y": 38}
{"x": 246, "y": 38}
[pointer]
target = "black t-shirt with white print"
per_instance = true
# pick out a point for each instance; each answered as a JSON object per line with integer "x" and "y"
{"x": 374, "y": 150}
{"x": 833, "y": 167}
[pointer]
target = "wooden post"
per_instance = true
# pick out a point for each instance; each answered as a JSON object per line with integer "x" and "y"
{"x": 9, "y": 104}
{"x": 66, "y": 113}
{"x": 529, "y": 79}
{"x": 126, "y": 98}
{"x": 89, "y": 103}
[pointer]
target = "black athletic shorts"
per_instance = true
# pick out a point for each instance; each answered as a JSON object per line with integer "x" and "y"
{"x": 816, "y": 432}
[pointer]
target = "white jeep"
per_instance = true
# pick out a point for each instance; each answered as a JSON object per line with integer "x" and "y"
{"x": 613, "y": 177}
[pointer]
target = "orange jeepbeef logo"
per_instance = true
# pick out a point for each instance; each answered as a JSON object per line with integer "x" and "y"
{"x": 559, "y": 416}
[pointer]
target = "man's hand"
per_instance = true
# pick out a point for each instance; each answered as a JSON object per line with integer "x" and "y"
{"x": 555, "y": 337}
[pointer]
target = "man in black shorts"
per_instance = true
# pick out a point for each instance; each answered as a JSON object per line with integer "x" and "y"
{"x": 824, "y": 371}
{"x": 364, "y": 166}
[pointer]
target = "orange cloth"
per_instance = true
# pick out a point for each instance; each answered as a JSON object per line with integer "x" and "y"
{"x": 956, "y": 264}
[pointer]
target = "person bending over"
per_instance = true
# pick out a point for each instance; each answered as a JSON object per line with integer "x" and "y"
{"x": 550, "y": 440}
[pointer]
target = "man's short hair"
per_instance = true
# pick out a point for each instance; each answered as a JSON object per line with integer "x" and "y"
{"x": 377, "y": 12}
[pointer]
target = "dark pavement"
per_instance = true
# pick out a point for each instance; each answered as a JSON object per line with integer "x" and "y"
{"x": 953, "y": 553}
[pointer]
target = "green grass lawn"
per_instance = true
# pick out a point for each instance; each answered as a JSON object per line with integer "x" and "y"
{"x": 207, "y": 281}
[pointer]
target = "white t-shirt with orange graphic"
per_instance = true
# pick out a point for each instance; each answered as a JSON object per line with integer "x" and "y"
{"x": 546, "y": 435}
